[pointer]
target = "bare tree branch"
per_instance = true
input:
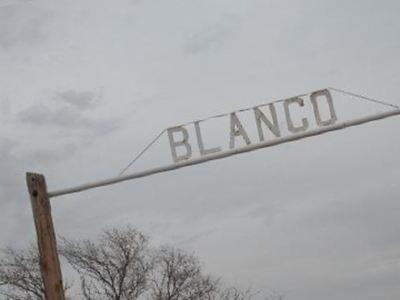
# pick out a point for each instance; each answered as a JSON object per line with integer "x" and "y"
{"x": 178, "y": 275}
{"x": 20, "y": 276}
{"x": 114, "y": 268}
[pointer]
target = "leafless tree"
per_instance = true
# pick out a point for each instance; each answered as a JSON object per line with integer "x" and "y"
{"x": 178, "y": 276}
{"x": 114, "y": 268}
{"x": 234, "y": 293}
{"x": 120, "y": 265}
{"x": 20, "y": 277}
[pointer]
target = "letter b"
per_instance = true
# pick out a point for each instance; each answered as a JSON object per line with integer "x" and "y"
{"x": 184, "y": 142}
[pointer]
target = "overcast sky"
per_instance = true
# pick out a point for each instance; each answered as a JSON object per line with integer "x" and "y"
{"x": 84, "y": 85}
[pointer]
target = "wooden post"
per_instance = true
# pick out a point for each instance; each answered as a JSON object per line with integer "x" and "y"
{"x": 49, "y": 261}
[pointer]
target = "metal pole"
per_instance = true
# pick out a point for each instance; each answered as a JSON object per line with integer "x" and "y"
{"x": 224, "y": 154}
{"x": 46, "y": 239}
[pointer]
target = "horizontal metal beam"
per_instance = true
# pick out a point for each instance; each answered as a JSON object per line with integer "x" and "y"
{"x": 224, "y": 154}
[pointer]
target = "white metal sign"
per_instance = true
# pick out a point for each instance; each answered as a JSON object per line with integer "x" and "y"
{"x": 293, "y": 121}
{"x": 179, "y": 136}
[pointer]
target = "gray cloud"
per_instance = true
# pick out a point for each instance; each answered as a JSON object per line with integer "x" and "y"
{"x": 46, "y": 156}
{"x": 22, "y": 24}
{"x": 67, "y": 111}
{"x": 210, "y": 36}
{"x": 13, "y": 200}
{"x": 7, "y": 161}
{"x": 5, "y": 106}
{"x": 80, "y": 99}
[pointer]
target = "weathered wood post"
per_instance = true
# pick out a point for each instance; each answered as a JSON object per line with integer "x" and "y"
{"x": 49, "y": 261}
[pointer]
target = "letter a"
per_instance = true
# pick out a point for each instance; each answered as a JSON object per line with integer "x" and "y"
{"x": 237, "y": 130}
